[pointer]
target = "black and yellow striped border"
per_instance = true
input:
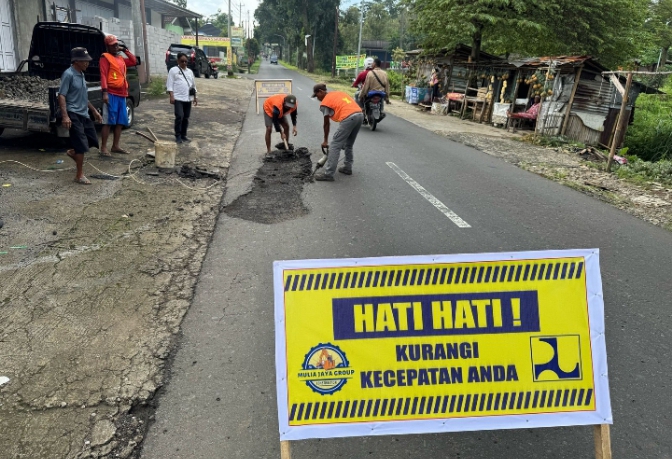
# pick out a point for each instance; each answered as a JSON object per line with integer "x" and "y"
{"x": 442, "y": 405}
{"x": 376, "y": 277}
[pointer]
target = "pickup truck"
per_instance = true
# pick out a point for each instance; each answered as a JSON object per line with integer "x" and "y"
{"x": 48, "y": 58}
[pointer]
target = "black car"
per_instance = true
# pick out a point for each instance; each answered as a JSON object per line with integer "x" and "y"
{"x": 198, "y": 62}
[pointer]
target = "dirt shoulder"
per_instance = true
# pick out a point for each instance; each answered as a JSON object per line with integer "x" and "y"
{"x": 649, "y": 201}
{"x": 96, "y": 279}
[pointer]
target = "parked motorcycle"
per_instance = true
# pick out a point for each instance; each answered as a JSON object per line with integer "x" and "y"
{"x": 373, "y": 108}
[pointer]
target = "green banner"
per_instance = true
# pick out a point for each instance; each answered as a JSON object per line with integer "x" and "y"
{"x": 349, "y": 62}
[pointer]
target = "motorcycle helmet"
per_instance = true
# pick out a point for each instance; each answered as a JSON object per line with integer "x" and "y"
{"x": 368, "y": 62}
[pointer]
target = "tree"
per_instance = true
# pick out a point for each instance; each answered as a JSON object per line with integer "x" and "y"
{"x": 181, "y": 3}
{"x": 608, "y": 29}
{"x": 445, "y": 23}
{"x": 294, "y": 19}
{"x": 378, "y": 23}
{"x": 660, "y": 26}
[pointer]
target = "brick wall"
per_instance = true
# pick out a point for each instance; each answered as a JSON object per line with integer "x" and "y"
{"x": 159, "y": 40}
{"x": 122, "y": 29}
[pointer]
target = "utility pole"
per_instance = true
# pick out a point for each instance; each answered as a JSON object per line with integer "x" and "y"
{"x": 621, "y": 121}
{"x": 240, "y": 15}
{"x": 333, "y": 54}
{"x": 359, "y": 45}
{"x": 143, "y": 18}
{"x": 248, "y": 41}
{"x": 229, "y": 54}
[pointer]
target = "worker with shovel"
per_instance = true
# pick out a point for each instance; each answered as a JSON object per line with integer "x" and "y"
{"x": 340, "y": 107}
{"x": 275, "y": 109}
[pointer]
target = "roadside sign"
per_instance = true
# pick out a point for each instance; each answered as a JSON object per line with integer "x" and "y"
{"x": 445, "y": 343}
{"x": 237, "y": 32}
{"x": 205, "y": 41}
{"x": 236, "y": 42}
{"x": 267, "y": 88}
{"x": 349, "y": 62}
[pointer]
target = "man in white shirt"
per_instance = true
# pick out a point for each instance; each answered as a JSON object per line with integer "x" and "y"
{"x": 181, "y": 85}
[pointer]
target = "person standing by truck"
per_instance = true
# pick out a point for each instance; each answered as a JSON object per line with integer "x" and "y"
{"x": 114, "y": 85}
{"x": 73, "y": 100}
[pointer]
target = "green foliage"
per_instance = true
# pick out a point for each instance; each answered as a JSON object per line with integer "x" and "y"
{"x": 650, "y": 136}
{"x": 642, "y": 171}
{"x": 396, "y": 81}
{"x": 611, "y": 30}
{"x": 156, "y": 86}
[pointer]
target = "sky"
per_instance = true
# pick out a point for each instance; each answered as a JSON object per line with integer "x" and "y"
{"x": 208, "y": 7}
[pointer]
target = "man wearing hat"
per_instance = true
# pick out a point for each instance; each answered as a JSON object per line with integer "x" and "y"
{"x": 275, "y": 109}
{"x": 115, "y": 91}
{"x": 73, "y": 100}
{"x": 340, "y": 107}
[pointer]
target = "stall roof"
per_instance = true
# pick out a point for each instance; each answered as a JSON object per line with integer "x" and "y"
{"x": 556, "y": 61}
{"x": 462, "y": 52}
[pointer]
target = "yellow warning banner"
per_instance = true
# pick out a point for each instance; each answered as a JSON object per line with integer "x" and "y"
{"x": 442, "y": 343}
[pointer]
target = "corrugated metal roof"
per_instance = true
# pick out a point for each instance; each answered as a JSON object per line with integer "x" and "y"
{"x": 555, "y": 61}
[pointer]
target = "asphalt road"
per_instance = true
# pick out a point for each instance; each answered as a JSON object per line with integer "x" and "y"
{"x": 220, "y": 402}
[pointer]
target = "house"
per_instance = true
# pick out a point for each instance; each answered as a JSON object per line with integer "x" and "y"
{"x": 165, "y": 24}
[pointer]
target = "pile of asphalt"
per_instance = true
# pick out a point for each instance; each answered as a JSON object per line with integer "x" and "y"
{"x": 276, "y": 190}
{"x": 24, "y": 87}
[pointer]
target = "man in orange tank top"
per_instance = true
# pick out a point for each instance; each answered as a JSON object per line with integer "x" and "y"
{"x": 114, "y": 85}
{"x": 343, "y": 109}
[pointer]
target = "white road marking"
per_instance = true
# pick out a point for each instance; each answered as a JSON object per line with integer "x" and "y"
{"x": 3, "y": 380}
{"x": 430, "y": 197}
{"x": 299, "y": 88}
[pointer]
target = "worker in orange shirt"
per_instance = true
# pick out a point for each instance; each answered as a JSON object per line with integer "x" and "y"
{"x": 342, "y": 108}
{"x": 275, "y": 109}
{"x": 114, "y": 85}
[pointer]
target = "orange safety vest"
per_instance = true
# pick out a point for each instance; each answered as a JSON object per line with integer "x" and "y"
{"x": 116, "y": 76}
{"x": 342, "y": 104}
{"x": 277, "y": 101}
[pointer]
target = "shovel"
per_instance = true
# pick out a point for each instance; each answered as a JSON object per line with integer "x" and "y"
{"x": 322, "y": 161}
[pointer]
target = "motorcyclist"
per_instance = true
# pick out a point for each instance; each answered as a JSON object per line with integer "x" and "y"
{"x": 359, "y": 81}
{"x": 376, "y": 80}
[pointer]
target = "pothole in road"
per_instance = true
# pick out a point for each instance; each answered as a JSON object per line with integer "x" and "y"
{"x": 276, "y": 190}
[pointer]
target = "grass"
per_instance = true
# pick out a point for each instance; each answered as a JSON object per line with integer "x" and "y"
{"x": 157, "y": 86}
{"x": 255, "y": 66}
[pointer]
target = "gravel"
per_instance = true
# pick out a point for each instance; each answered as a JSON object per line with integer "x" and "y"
{"x": 30, "y": 88}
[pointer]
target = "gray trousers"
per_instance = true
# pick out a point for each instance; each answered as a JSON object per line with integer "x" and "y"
{"x": 343, "y": 139}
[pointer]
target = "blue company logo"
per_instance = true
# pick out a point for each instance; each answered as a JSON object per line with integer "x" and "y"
{"x": 326, "y": 369}
{"x": 556, "y": 358}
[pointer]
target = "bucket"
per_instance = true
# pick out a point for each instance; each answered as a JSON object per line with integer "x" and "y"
{"x": 165, "y": 154}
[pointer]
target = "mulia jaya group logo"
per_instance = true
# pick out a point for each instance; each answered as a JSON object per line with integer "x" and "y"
{"x": 325, "y": 369}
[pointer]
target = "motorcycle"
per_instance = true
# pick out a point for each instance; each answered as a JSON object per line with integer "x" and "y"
{"x": 214, "y": 70}
{"x": 373, "y": 108}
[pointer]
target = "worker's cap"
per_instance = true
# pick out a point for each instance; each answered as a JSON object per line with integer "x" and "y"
{"x": 317, "y": 88}
{"x": 111, "y": 40}
{"x": 290, "y": 101}
{"x": 79, "y": 54}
